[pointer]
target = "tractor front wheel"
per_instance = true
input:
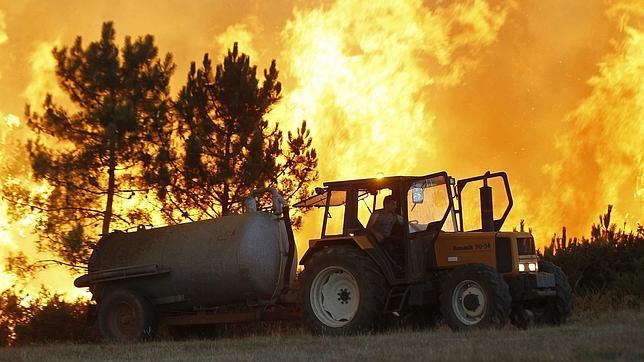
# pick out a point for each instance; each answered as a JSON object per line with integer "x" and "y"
{"x": 474, "y": 296}
{"x": 557, "y": 308}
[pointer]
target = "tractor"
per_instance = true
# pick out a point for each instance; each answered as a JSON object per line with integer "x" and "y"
{"x": 241, "y": 268}
{"x": 434, "y": 264}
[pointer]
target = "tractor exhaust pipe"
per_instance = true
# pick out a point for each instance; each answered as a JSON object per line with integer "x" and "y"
{"x": 487, "y": 209}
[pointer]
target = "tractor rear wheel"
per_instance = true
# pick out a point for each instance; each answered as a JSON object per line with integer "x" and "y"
{"x": 557, "y": 308}
{"x": 474, "y": 296}
{"x": 344, "y": 291}
{"x": 126, "y": 315}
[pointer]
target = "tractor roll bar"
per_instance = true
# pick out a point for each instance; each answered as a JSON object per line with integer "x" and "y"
{"x": 460, "y": 185}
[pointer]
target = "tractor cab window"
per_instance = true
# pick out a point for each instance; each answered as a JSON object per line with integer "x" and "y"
{"x": 368, "y": 202}
{"x": 335, "y": 214}
{"x": 427, "y": 202}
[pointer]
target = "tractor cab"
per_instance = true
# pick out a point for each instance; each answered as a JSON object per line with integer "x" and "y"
{"x": 424, "y": 204}
{"x": 429, "y": 206}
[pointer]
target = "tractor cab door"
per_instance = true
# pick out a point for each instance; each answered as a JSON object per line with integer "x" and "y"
{"x": 484, "y": 202}
{"x": 427, "y": 204}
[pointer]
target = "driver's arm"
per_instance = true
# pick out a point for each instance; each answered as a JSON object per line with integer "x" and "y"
{"x": 371, "y": 223}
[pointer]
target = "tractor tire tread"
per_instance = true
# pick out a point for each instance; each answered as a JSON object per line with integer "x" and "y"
{"x": 557, "y": 309}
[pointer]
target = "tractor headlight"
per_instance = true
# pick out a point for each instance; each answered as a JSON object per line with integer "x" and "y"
{"x": 528, "y": 267}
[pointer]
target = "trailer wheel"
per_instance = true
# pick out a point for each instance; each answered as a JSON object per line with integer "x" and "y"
{"x": 556, "y": 309}
{"x": 126, "y": 315}
{"x": 474, "y": 296}
{"x": 344, "y": 291}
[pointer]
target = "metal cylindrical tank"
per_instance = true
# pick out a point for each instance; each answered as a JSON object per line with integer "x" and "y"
{"x": 237, "y": 258}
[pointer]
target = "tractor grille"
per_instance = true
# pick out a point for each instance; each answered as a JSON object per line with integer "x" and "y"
{"x": 525, "y": 246}
{"x": 503, "y": 255}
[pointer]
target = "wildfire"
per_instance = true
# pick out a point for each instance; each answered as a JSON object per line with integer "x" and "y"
{"x": 17, "y": 236}
{"x": 602, "y": 144}
{"x": 548, "y": 91}
{"x": 362, "y": 74}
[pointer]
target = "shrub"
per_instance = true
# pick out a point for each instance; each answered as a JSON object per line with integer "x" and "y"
{"x": 46, "y": 318}
{"x": 610, "y": 261}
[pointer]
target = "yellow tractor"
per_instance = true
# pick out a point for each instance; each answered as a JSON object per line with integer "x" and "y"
{"x": 430, "y": 264}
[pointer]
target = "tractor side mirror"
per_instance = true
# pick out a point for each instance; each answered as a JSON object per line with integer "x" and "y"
{"x": 417, "y": 195}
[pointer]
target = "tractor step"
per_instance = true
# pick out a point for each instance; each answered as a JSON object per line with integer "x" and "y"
{"x": 396, "y": 299}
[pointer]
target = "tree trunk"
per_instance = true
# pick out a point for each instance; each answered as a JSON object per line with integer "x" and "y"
{"x": 111, "y": 186}
{"x": 224, "y": 201}
{"x": 225, "y": 197}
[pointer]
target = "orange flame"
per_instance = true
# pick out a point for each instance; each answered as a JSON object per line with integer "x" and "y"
{"x": 602, "y": 145}
{"x": 362, "y": 73}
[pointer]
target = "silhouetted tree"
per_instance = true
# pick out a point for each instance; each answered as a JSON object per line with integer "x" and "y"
{"x": 105, "y": 147}
{"x": 12, "y": 314}
{"x": 229, "y": 149}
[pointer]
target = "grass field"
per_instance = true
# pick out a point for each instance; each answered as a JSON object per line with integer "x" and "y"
{"x": 611, "y": 336}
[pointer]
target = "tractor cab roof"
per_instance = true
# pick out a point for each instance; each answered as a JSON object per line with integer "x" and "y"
{"x": 366, "y": 182}
{"x": 365, "y": 187}
{"x": 379, "y": 182}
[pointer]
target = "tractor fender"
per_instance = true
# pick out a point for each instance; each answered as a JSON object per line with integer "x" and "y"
{"x": 360, "y": 242}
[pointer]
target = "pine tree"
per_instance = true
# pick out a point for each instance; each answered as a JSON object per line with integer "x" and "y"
{"x": 110, "y": 144}
{"x": 229, "y": 148}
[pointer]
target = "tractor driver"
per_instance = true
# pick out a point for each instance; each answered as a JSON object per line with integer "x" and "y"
{"x": 383, "y": 220}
